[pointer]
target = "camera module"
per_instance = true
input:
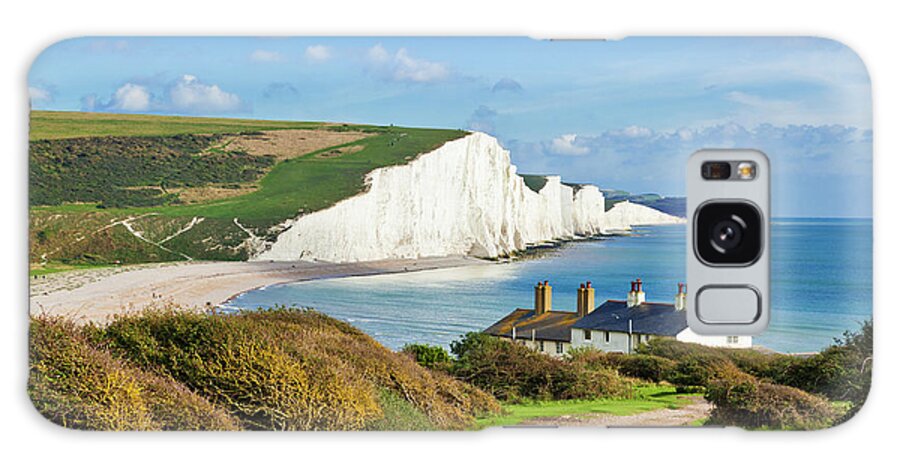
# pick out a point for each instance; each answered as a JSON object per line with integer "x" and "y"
{"x": 728, "y": 233}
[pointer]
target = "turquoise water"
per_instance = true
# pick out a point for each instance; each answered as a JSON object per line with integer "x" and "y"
{"x": 821, "y": 285}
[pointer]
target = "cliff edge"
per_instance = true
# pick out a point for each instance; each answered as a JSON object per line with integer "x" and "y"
{"x": 464, "y": 198}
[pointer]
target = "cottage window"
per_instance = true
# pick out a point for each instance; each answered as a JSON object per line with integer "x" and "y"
{"x": 587, "y": 334}
{"x": 606, "y": 337}
{"x": 731, "y": 339}
{"x": 541, "y": 346}
{"x": 559, "y": 348}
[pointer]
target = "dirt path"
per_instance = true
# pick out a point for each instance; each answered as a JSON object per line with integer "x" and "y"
{"x": 664, "y": 417}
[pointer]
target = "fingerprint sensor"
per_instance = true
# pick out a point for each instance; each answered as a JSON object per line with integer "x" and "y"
{"x": 728, "y": 304}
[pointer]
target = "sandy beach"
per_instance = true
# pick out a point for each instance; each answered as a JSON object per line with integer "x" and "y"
{"x": 97, "y": 294}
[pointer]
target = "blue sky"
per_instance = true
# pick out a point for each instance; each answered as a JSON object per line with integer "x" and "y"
{"x": 622, "y": 114}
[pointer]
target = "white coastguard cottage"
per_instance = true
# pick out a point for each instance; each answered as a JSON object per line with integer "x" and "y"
{"x": 615, "y": 326}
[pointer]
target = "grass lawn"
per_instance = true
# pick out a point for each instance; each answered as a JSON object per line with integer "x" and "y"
{"x": 646, "y": 398}
{"x": 68, "y": 124}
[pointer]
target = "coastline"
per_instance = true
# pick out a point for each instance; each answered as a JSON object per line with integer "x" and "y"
{"x": 96, "y": 295}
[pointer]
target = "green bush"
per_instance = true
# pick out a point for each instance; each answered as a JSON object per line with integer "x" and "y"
{"x": 430, "y": 356}
{"x": 513, "y": 372}
{"x": 272, "y": 370}
{"x": 697, "y": 370}
{"x": 841, "y": 372}
{"x": 675, "y": 350}
{"x": 399, "y": 414}
{"x": 583, "y": 382}
{"x": 593, "y": 358}
{"x": 258, "y": 382}
{"x": 768, "y": 390}
{"x": 742, "y": 400}
{"x": 448, "y": 403}
{"x": 639, "y": 366}
{"x": 75, "y": 384}
{"x": 646, "y": 367}
{"x": 292, "y": 369}
{"x": 758, "y": 363}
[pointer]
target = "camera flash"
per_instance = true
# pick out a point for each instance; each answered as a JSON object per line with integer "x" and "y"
{"x": 746, "y": 170}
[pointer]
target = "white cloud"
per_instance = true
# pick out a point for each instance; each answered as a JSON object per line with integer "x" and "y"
{"x": 128, "y": 98}
{"x": 265, "y": 56}
{"x": 636, "y": 131}
{"x": 403, "y": 67}
{"x": 192, "y": 96}
{"x": 378, "y": 54}
{"x": 685, "y": 134}
{"x": 186, "y": 94}
{"x": 318, "y": 53}
{"x": 566, "y": 145}
{"x": 38, "y": 94}
{"x": 131, "y": 98}
{"x": 409, "y": 68}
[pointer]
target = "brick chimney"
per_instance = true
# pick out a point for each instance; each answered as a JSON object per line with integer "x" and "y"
{"x": 548, "y": 297}
{"x": 681, "y": 297}
{"x": 580, "y": 301}
{"x": 636, "y": 296}
{"x": 543, "y": 297}
{"x": 585, "y": 299}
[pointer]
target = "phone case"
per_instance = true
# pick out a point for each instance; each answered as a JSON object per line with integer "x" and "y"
{"x": 237, "y": 233}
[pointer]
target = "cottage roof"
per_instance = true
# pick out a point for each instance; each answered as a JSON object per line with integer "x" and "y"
{"x": 646, "y": 318}
{"x": 550, "y": 326}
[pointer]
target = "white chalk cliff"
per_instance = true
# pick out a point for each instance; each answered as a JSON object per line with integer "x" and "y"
{"x": 622, "y": 216}
{"x": 463, "y": 198}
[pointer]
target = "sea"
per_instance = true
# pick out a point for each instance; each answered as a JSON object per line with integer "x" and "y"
{"x": 821, "y": 285}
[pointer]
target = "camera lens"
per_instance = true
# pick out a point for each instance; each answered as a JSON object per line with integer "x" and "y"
{"x": 716, "y": 170}
{"x": 728, "y": 233}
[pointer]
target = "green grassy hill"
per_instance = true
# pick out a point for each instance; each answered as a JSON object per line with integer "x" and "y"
{"x": 109, "y": 188}
{"x": 47, "y": 125}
